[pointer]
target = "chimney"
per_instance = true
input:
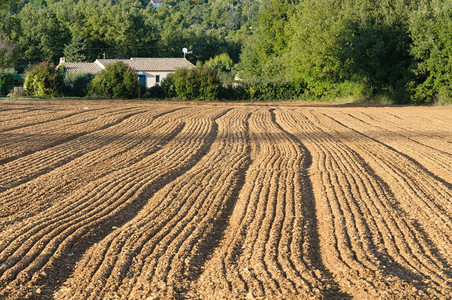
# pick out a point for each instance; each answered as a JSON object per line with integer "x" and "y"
{"x": 62, "y": 60}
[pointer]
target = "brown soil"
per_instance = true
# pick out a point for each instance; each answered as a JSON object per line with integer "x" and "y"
{"x": 144, "y": 200}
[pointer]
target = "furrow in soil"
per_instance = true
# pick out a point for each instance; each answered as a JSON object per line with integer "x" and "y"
{"x": 42, "y": 244}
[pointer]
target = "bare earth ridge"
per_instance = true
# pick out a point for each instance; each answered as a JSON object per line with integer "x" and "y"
{"x": 152, "y": 200}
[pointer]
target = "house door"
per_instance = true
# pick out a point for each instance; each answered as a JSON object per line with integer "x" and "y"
{"x": 142, "y": 79}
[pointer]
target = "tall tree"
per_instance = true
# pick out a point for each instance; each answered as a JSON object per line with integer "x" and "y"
{"x": 261, "y": 58}
{"x": 75, "y": 51}
{"x": 431, "y": 31}
{"x": 351, "y": 47}
{"x": 7, "y": 51}
{"x": 41, "y": 37}
{"x": 375, "y": 47}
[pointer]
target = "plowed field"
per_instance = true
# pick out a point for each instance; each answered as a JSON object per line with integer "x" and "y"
{"x": 144, "y": 200}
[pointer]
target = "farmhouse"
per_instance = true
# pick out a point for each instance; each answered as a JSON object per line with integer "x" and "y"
{"x": 150, "y": 71}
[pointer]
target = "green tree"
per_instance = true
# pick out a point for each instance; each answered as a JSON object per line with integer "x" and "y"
{"x": 41, "y": 37}
{"x": 351, "y": 47}
{"x": 6, "y": 82}
{"x": 43, "y": 80}
{"x": 117, "y": 81}
{"x": 262, "y": 54}
{"x": 375, "y": 48}
{"x": 121, "y": 29}
{"x": 7, "y": 52}
{"x": 431, "y": 31}
{"x": 116, "y": 28}
{"x": 5, "y": 3}
{"x": 204, "y": 27}
{"x": 75, "y": 51}
{"x": 223, "y": 64}
{"x": 312, "y": 58}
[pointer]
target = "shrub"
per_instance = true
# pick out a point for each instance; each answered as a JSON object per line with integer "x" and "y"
{"x": 117, "y": 81}
{"x": 164, "y": 90}
{"x": 43, "y": 80}
{"x": 204, "y": 84}
{"x": 195, "y": 84}
{"x": 77, "y": 84}
{"x": 17, "y": 92}
{"x": 264, "y": 91}
{"x": 6, "y": 83}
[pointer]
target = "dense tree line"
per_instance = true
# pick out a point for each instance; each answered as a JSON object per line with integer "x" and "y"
{"x": 401, "y": 49}
{"x": 84, "y": 30}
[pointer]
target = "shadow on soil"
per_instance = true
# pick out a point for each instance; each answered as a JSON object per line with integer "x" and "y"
{"x": 412, "y": 160}
{"x": 63, "y": 268}
{"x": 388, "y": 265}
{"x": 309, "y": 214}
{"x": 212, "y": 241}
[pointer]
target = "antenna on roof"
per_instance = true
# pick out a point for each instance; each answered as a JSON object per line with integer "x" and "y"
{"x": 185, "y": 50}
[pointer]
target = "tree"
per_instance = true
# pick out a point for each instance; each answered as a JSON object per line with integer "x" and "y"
{"x": 41, "y": 37}
{"x": 430, "y": 29}
{"x": 351, "y": 47}
{"x": 75, "y": 51}
{"x": 375, "y": 48}
{"x": 121, "y": 29}
{"x": 5, "y": 3}
{"x": 7, "y": 52}
{"x": 43, "y": 80}
{"x": 204, "y": 27}
{"x": 223, "y": 64}
{"x": 117, "y": 28}
{"x": 317, "y": 27}
{"x": 117, "y": 81}
{"x": 261, "y": 57}
{"x": 6, "y": 83}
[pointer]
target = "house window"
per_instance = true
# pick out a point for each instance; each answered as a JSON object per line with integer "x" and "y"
{"x": 142, "y": 79}
{"x": 157, "y": 78}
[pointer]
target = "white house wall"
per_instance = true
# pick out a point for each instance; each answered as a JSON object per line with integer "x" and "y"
{"x": 151, "y": 76}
